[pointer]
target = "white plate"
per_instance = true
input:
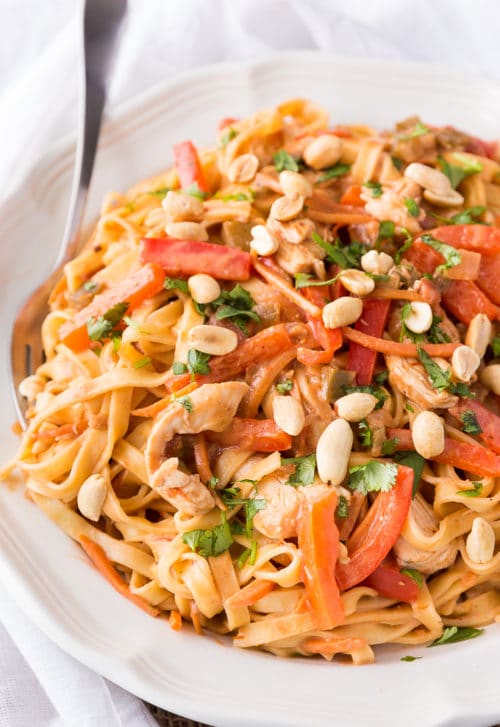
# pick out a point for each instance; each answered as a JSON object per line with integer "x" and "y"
{"x": 46, "y": 572}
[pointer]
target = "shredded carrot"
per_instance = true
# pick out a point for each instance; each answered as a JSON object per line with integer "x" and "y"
{"x": 250, "y": 594}
{"x": 16, "y": 428}
{"x": 195, "y": 617}
{"x": 352, "y": 196}
{"x": 261, "y": 381}
{"x": 153, "y": 409}
{"x": 392, "y": 348}
{"x": 396, "y": 294}
{"x": 284, "y": 287}
{"x": 65, "y": 431}
{"x": 201, "y": 458}
{"x": 175, "y": 620}
{"x": 329, "y": 646}
{"x": 106, "y": 568}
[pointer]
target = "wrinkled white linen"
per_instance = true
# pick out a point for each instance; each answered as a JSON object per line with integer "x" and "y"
{"x": 39, "y": 684}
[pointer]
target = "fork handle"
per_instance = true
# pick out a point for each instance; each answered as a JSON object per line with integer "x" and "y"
{"x": 101, "y": 22}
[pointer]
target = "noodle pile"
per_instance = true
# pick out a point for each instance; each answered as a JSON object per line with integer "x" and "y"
{"x": 175, "y": 428}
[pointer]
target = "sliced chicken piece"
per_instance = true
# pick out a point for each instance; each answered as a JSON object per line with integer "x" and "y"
{"x": 278, "y": 520}
{"x": 410, "y": 377}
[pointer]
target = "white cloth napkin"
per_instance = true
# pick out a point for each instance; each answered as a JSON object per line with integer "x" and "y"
{"x": 39, "y": 684}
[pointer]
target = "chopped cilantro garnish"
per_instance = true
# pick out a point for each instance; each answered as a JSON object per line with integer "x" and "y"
{"x": 451, "y": 256}
{"x": 470, "y": 422}
{"x": 337, "y": 170}
{"x": 213, "y": 482}
{"x": 416, "y": 462}
{"x": 186, "y": 402}
{"x": 101, "y": 328}
{"x": 236, "y": 304}
{"x": 435, "y": 334}
{"x": 418, "y": 130}
{"x": 376, "y": 188}
{"x": 495, "y": 346}
{"x": 284, "y": 386}
{"x": 412, "y": 207}
{"x": 410, "y": 658}
{"x": 176, "y": 283}
{"x": 375, "y": 391}
{"x": 197, "y": 362}
{"x": 195, "y": 191}
{"x": 210, "y": 542}
{"x": 142, "y": 362}
{"x": 90, "y": 286}
{"x": 439, "y": 378}
{"x": 283, "y": 160}
{"x": 305, "y": 468}
{"x": 453, "y": 634}
{"x": 404, "y": 247}
{"x": 415, "y": 575}
{"x": 227, "y": 136}
{"x": 398, "y": 163}
{"x": 372, "y": 477}
{"x": 345, "y": 257}
{"x": 409, "y": 407}
{"x": 381, "y": 377}
{"x": 386, "y": 230}
{"x": 476, "y": 491}
{"x": 457, "y": 174}
{"x": 305, "y": 280}
{"x": 406, "y": 332}
{"x": 342, "y": 510}
{"x": 389, "y": 446}
{"x": 160, "y": 193}
{"x": 365, "y": 433}
{"x": 469, "y": 216}
{"x": 179, "y": 368}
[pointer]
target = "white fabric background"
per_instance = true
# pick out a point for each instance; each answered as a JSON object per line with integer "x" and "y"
{"x": 39, "y": 684}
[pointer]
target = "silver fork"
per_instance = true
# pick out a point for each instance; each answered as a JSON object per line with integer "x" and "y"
{"x": 101, "y": 22}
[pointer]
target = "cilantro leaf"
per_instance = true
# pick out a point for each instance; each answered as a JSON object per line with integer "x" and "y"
{"x": 469, "y": 216}
{"x": 304, "y": 280}
{"x": 338, "y": 170}
{"x": 285, "y": 386}
{"x": 462, "y": 390}
{"x": 179, "y": 368}
{"x": 415, "y": 575}
{"x": 305, "y": 468}
{"x": 142, "y": 362}
{"x": 398, "y": 163}
{"x": 176, "y": 283}
{"x": 435, "y": 334}
{"x": 375, "y": 391}
{"x": 440, "y": 380}
{"x": 372, "y": 477}
{"x": 187, "y": 403}
{"x": 100, "y": 328}
{"x": 381, "y": 377}
{"x": 345, "y": 257}
{"x": 470, "y": 422}
{"x": 365, "y": 433}
{"x": 283, "y": 160}
{"x": 476, "y": 491}
{"x": 495, "y": 346}
{"x": 412, "y": 207}
{"x": 404, "y": 247}
{"x": 451, "y": 256}
{"x": 386, "y": 230}
{"x": 418, "y": 130}
{"x": 236, "y": 304}
{"x": 410, "y": 658}
{"x": 389, "y": 446}
{"x": 375, "y": 187}
{"x": 342, "y": 510}
{"x": 457, "y": 174}
{"x": 90, "y": 286}
{"x": 195, "y": 191}
{"x": 416, "y": 462}
{"x": 226, "y": 137}
{"x": 197, "y": 362}
{"x": 453, "y": 634}
{"x": 210, "y": 542}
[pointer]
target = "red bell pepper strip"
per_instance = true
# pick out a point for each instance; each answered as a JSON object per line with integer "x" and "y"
{"x": 257, "y": 435}
{"x": 330, "y": 339}
{"x": 489, "y": 422}
{"x": 135, "y": 289}
{"x": 188, "y": 166}
{"x": 388, "y": 581}
{"x": 465, "y": 300}
{"x": 352, "y": 196}
{"x": 472, "y": 458}
{"x": 423, "y": 257}
{"x": 478, "y": 238}
{"x": 187, "y": 257}
{"x": 489, "y": 276}
{"x": 318, "y": 539}
{"x": 264, "y": 345}
{"x": 372, "y": 322}
{"x": 379, "y": 531}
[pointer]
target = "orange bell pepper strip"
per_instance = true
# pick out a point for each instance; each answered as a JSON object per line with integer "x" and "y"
{"x": 257, "y": 435}
{"x": 352, "y": 196}
{"x": 318, "y": 539}
{"x": 489, "y": 277}
{"x": 187, "y": 257}
{"x": 487, "y": 420}
{"x": 478, "y": 238}
{"x": 372, "y": 321}
{"x": 106, "y": 568}
{"x": 464, "y": 300}
{"x": 473, "y": 458}
{"x": 188, "y": 166}
{"x": 135, "y": 289}
{"x": 264, "y": 345}
{"x": 378, "y": 532}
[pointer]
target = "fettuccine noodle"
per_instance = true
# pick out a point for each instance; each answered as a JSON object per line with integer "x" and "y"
{"x": 270, "y": 400}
